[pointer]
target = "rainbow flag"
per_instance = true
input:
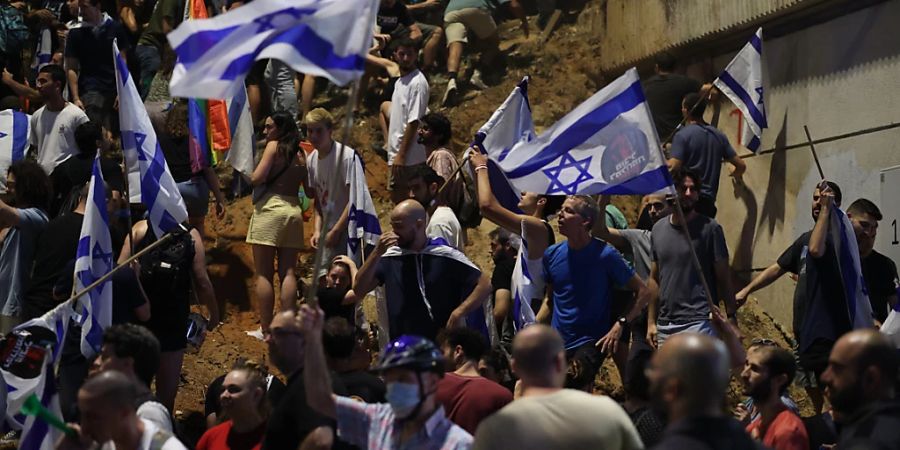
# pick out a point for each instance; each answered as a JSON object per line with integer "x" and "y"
{"x": 210, "y": 134}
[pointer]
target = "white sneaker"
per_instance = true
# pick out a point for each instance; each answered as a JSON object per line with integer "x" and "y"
{"x": 476, "y": 81}
{"x": 450, "y": 92}
{"x": 257, "y": 333}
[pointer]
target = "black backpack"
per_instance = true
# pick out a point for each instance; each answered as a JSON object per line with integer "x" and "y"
{"x": 168, "y": 265}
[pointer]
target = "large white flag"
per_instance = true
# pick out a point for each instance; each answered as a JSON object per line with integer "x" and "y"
{"x": 742, "y": 82}
{"x": 15, "y": 129}
{"x": 859, "y": 310}
{"x": 243, "y": 142}
{"x": 327, "y": 38}
{"x": 93, "y": 259}
{"x": 606, "y": 145}
{"x": 150, "y": 181}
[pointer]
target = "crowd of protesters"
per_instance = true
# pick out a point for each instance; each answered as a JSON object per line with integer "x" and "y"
{"x": 457, "y": 370}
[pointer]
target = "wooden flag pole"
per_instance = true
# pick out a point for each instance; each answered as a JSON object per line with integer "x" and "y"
{"x": 812, "y": 147}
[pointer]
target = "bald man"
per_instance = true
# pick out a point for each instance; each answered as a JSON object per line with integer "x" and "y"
{"x": 688, "y": 380}
{"x": 546, "y": 416}
{"x": 429, "y": 285}
{"x": 109, "y": 418}
{"x": 860, "y": 384}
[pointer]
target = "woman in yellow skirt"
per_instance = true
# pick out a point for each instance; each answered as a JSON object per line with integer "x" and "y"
{"x": 276, "y": 227}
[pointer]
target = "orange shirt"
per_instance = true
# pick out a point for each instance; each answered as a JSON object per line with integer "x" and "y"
{"x": 786, "y": 432}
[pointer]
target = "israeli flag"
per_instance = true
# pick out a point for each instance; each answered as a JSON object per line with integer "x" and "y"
{"x": 891, "y": 325}
{"x": 25, "y": 355}
{"x": 523, "y": 289}
{"x": 859, "y": 309}
{"x": 15, "y": 129}
{"x": 43, "y": 51}
{"x": 326, "y": 38}
{"x": 243, "y": 142}
{"x": 606, "y": 145}
{"x": 508, "y": 125}
{"x": 37, "y": 434}
{"x": 147, "y": 167}
{"x": 742, "y": 82}
{"x": 94, "y": 259}
{"x": 363, "y": 227}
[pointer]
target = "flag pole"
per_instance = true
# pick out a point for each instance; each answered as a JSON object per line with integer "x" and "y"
{"x": 128, "y": 261}
{"x": 327, "y": 213}
{"x": 812, "y": 147}
{"x": 127, "y": 203}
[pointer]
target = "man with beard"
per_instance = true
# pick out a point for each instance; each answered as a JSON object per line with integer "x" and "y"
{"x": 688, "y": 382}
{"x": 878, "y": 270}
{"x": 503, "y": 253}
{"x": 860, "y": 384}
{"x": 292, "y": 422}
{"x": 424, "y": 186}
{"x": 434, "y": 134}
{"x": 400, "y": 117}
{"x": 411, "y": 367}
{"x": 682, "y": 303}
{"x": 768, "y": 371}
{"x": 429, "y": 285}
{"x": 820, "y": 309}
{"x": 546, "y": 416}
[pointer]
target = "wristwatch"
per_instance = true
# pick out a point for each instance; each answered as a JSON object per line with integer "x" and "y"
{"x": 622, "y": 321}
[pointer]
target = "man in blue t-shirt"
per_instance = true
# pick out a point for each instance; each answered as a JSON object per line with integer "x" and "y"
{"x": 701, "y": 148}
{"x": 581, "y": 273}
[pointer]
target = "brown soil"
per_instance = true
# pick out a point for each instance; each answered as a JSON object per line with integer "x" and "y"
{"x": 562, "y": 77}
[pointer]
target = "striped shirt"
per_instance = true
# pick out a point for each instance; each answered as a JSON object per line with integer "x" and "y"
{"x": 373, "y": 426}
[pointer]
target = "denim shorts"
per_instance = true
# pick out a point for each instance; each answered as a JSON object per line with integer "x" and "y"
{"x": 195, "y": 193}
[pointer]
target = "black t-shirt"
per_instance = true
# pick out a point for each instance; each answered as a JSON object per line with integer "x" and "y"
{"x": 502, "y": 276}
{"x": 55, "y": 250}
{"x": 391, "y": 17}
{"x": 876, "y": 426}
{"x": 74, "y": 172}
{"x": 274, "y": 392}
{"x": 707, "y": 433}
{"x": 127, "y": 293}
{"x": 176, "y": 150}
{"x": 292, "y": 418}
{"x": 664, "y": 94}
{"x": 820, "y": 309}
{"x": 880, "y": 274}
{"x": 363, "y": 386}
{"x": 92, "y": 46}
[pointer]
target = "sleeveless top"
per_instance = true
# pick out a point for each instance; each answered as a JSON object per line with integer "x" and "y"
{"x": 536, "y": 266}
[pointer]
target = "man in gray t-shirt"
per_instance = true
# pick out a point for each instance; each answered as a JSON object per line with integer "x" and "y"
{"x": 681, "y": 304}
{"x": 702, "y": 148}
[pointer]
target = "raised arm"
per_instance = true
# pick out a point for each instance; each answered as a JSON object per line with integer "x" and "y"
{"x": 316, "y": 378}
{"x": 606, "y": 233}
{"x": 818, "y": 238}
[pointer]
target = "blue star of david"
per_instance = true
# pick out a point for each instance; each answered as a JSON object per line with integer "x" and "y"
{"x": 759, "y": 91}
{"x": 3, "y": 135}
{"x": 139, "y": 139}
{"x": 267, "y": 22}
{"x": 104, "y": 257}
{"x": 567, "y": 162}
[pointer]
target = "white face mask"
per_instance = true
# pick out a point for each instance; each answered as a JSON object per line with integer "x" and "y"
{"x": 403, "y": 398}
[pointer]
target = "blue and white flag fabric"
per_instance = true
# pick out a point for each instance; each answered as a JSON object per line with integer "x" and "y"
{"x": 363, "y": 227}
{"x": 437, "y": 247}
{"x": 94, "y": 259}
{"x": 243, "y": 142}
{"x": 510, "y": 124}
{"x": 43, "y": 51}
{"x": 859, "y": 309}
{"x": 891, "y": 325}
{"x": 742, "y": 82}
{"x": 147, "y": 167}
{"x": 15, "y": 129}
{"x": 606, "y": 145}
{"x": 25, "y": 355}
{"x": 327, "y": 38}
{"x": 37, "y": 434}
{"x": 523, "y": 288}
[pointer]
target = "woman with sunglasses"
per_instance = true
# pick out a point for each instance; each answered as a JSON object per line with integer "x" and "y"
{"x": 245, "y": 408}
{"x": 276, "y": 226}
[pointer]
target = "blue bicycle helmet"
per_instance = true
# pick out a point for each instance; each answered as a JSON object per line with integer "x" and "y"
{"x": 413, "y": 353}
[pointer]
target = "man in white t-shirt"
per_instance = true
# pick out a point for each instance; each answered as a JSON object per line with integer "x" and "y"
{"x": 423, "y": 185}
{"x": 108, "y": 418}
{"x": 539, "y": 359}
{"x": 408, "y": 104}
{"x": 53, "y": 125}
{"x": 329, "y": 168}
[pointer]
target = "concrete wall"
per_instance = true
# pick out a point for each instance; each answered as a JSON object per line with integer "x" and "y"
{"x": 837, "y": 77}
